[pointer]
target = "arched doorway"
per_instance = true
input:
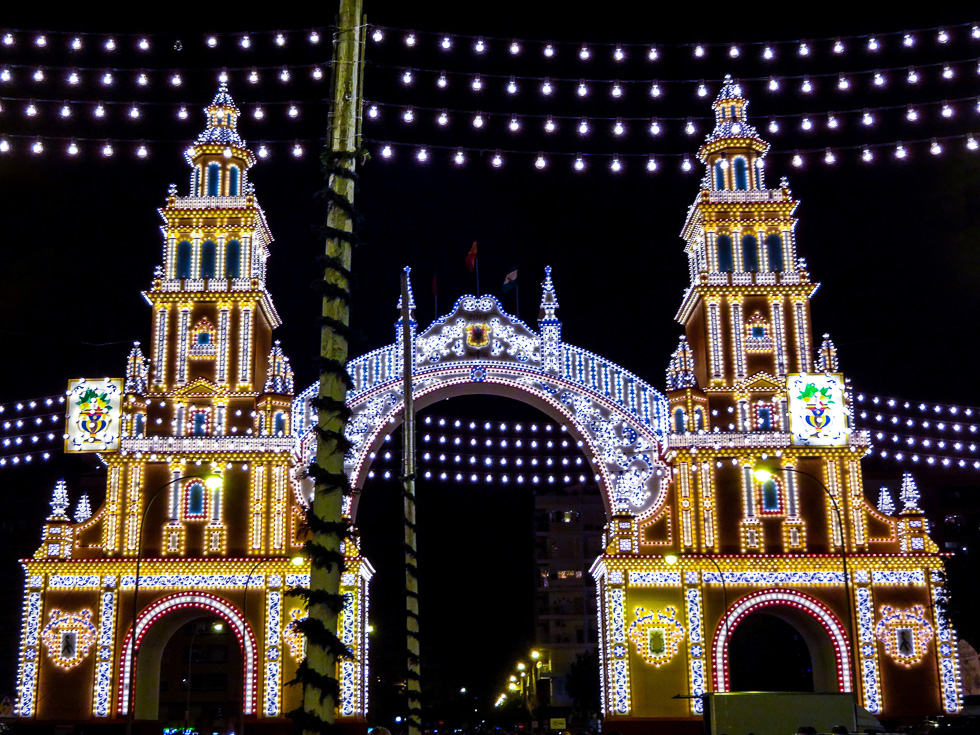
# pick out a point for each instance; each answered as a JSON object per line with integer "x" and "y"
{"x": 768, "y": 654}
{"x": 156, "y": 626}
{"x": 793, "y": 618}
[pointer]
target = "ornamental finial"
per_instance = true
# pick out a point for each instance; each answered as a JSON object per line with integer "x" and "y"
{"x": 909, "y": 494}
{"x": 59, "y": 502}
{"x": 549, "y": 299}
{"x": 411, "y": 294}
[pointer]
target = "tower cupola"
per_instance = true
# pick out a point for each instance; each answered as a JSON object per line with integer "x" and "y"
{"x": 733, "y": 151}
{"x": 219, "y": 158}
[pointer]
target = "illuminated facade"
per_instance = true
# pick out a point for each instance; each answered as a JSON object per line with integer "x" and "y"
{"x": 213, "y": 397}
{"x": 747, "y": 390}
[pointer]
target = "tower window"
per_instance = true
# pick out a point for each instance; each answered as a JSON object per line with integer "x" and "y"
{"x": 233, "y": 181}
{"x": 279, "y": 425}
{"x": 139, "y": 424}
{"x": 725, "y": 254}
{"x": 763, "y": 418}
{"x": 719, "y": 175}
{"x": 698, "y": 419}
{"x": 199, "y": 423}
{"x": 194, "y": 501}
{"x": 774, "y": 249}
{"x": 750, "y": 253}
{"x": 183, "y": 269}
{"x": 770, "y": 497}
{"x": 233, "y": 259}
{"x": 741, "y": 169}
{"x": 196, "y": 181}
{"x": 679, "y": 422}
{"x": 207, "y": 259}
{"x": 214, "y": 179}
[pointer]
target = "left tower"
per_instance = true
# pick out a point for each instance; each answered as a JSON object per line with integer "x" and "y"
{"x": 212, "y": 401}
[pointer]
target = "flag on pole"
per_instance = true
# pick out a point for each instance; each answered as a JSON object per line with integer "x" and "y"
{"x": 471, "y": 258}
{"x": 510, "y": 281}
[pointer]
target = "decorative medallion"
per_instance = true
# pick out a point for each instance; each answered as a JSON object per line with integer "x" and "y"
{"x": 93, "y": 415}
{"x": 906, "y": 633}
{"x": 478, "y": 334}
{"x": 656, "y": 634}
{"x": 817, "y": 414}
{"x": 295, "y": 641}
{"x": 68, "y": 637}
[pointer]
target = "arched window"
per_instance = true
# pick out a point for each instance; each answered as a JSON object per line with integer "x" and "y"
{"x": 679, "y": 421}
{"x": 233, "y": 181}
{"x": 195, "y": 500}
{"x": 763, "y": 418}
{"x": 725, "y": 254}
{"x": 214, "y": 179}
{"x": 719, "y": 175}
{"x": 279, "y": 425}
{"x": 698, "y": 419}
{"x": 770, "y": 496}
{"x": 196, "y": 182}
{"x": 139, "y": 425}
{"x": 183, "y": 269}
{"x": 200, "y": 425}
{"x": 741, "y": 169}
{"x": 207, "y": 259}
{"x": 233, "y": 259}
{"x": 750, "y": 253}
{"x": 774, "y": 249}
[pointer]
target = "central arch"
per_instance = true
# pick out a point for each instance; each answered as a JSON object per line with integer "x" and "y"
{"x": 478, "y": 348}
{"x": 798, "y": 605}
{"x": 154, "y": 627}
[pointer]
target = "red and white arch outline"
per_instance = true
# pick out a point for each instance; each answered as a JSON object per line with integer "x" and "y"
{"x": 203, "y": 601}
{"x": 781, "y": 597}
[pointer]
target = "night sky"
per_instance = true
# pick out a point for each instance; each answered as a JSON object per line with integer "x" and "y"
{"x": 895, "y": 246}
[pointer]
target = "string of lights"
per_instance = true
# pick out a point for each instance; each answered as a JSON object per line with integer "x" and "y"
{"x": 922, "y": 407}
{"x": 35, "y": 420}
{"x": 144, "y": 42}
{"x": 30, "y": 404}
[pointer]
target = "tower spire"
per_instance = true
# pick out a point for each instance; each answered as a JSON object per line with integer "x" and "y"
{"x": 219, "y": 158}
{"x": 549, "y": 299}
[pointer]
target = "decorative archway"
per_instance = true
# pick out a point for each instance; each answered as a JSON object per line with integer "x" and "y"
{"x": 618, "y": 419}
{"x": 767, "y": 600}
{"x": 171, "y": 607}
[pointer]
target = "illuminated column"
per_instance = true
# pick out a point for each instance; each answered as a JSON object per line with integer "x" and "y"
{"x": 617, "y": 672}
{"x": 272, "y": 691}
{"x": 855, "y": 504}
{"x": 794, "y": 530}
{"x": 160, "y": 347}
{"x": 686, "y": 511}
{"x": 245, "y": 346}
{"x": 224, "y": 342}
{"x": 278, "y": 515}
{"x": 695, "y": 640}
{"x": 110, "y": 529}
{"x": 739, "y": 266}
{"x": 133, "y": 508}
{"x": 778, "y": 335}
{"x": 711, "y": 249}
{"x": 183, "y": 327}
{"x": 833, "y": 486}
{"x": 751, "y": 531}
{"x": 256, "y": 540}
{"x": 804, "y": 360}
{"x": 219, "y": 264}
{"x": 738, "y": 336}
{"x": 103, "y": 681}
{"x": 715, "y": 346}
{"x": 950, "y": 685}
{"x": 706, "y": 497}
{"x": 30, "y": 648}
{"x": 867, "y": 651}
{"x": 175, "y": 534}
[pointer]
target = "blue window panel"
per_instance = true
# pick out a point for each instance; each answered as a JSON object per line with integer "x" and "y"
{"x": 679, "y": 421}
{"x": 195, "y": 500}
{"x": 214, "y": 179}
{"x": 774, "y": 248}
{"x": 698, "y": 419}
{"x": 719, "y": 175}
{"x": 140, "y": 425}
{"x": 741, "y": 169}
{"x": 207, "y": 259}
{"x": 758, "y": 332}
{"x": 183, "y": 269}
{"x": 233, "y": 181}
{"x": 233, "y": 259}
{"x": 764, "y": 419}
{"x": 200, "y": 423}
{"x": 725, "y": 262}
{"x": 204, "y": 338}
{"x": 279, "y": 426}
{"x": 770, "y": 496}
{"x": 750, "y": 253}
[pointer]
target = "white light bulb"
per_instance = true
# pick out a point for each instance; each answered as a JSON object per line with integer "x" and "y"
{"x": 971, "y": 143}
{"x": 943, "y": 36}
{"x": 512, "y": 86}
{"x": 226, "y": 152}
{"x": 908, "y": 40}
{"x": 913, "y": 76}
{"x": 655, "y": 90}
{"x": 479, "y": 47}
{"x": 651, "y": 164}
{"x": 618, "y": 54}
{"x": 975, "y": 31}
{"x": 478, "y": 121}
{"x": 408, "y": 116}
{"x": 422, "y": 155}
{"x": 8, "y": 39}
{"x": 689, "y": 127}
{"x": 617, "y": 91}
{"x": 314, "y": 37}
{"x": 107, "y": 79}
{"x": 446, "y": 43}
{"x": 584, "y": 53}
{"x": 773, "y": 84}
{"x": 806, "y": 87}
{"x": 806, "y": 124}
{"x": 797, "y": 160}
{"x": 4, "y": 145}
{"x": 6, "y": 76}
{"x": 497, "y": 161}
{"x": 947, "y": 72}
{"x": 107, "y": 150}
{"x": 73, "y": 149}
{"x": 546, "y": 88}
{"x": 838, "y": 47}
{"x": 134, "y": 112}
{"x": 245, "y": 42}
{"x": 540, "y": 162}
{"x": 616, "y": 166}
{"x": 935, "y": 149}
{"x": 410, "y": 39}
{"x": 900, "y": 151}
{"x": 442, "y": 81}
{"x": 297, "y": 151}
{"x": 549, "y": 125}
{"x": 911, "y": 115}
{"x": 253, "y": 76}
{"x": 579, "y": 164}
{"x": 549, "y": 50}
{"x": 583, "y": 90}
{"x": 31, "y": 109}
{"x": 866, "y": 155}
{"x": 773, "y": 125}
{"x": 879, "y": 79}
{"x": 804, "y": 49}
{"x": 947, "y": 111}
{"x": 142, "y": 80}
{"x": 829, "y": 157}
{"x": 653, "y": 54}
{"x": 686, "y": 164}
{"x": 514, "y": 125}
{"x": 477, "y": 84}
{"x": 655, "y": 127}
{"x": 873, "y": 44}
{"x": 843, "y": 83}
{"x": 182, "y": 113}
{"x": 702, "y": 90}
{"x": 39, "y": 75}
{"x": 515, "y": 48}
{"x": 733, "y": 52}
{"x": 459, "y": 159}
{"x": 867, "y": 118}
{"x": 259, "y": 113}
{"x": 378, "y": 35}
{"x": 65, "y": 110}
{"x": 212, "y": 41}
{"x": 767, "y": 53}
{"x": 618, "y": 128}
{"x": 280, "y": 40}
{"x": 175, "y": 80}
{"x": 41, "y": 41}
{"x": 583, "y": 127}
{"x": 263, "y": 151}
{"x": 443, "y": 118}
{"x": 832, "y": 121}
{"x": 293, "y": 111}
{"x": 284, "y": 75}
{"x": 699, "y": 51}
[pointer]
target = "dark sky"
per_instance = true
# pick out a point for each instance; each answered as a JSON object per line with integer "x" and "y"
{"x": 894, "y": 245}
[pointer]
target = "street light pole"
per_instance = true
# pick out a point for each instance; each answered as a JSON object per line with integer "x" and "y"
{"x": 762, "y": 474}
{"x": 212, "y": 482}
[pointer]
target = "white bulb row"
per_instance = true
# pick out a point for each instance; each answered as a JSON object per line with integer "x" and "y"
{"x": 37, "y": 420}
{"x": 141, "y": 150}
{"x": 616, "y": 163}
{"x": 515, "y": 426}
{"x": 931, "y": 459}
{"x": 925, "y": 441}
{"x": 75, "y": 77}
{"x": 874, "y": 43}
{"x": 17, "y": 459}
{"x": 16, "y": 441}
{"x": 912, "y": 422}
{"x": 144, "y": 43}
{"x": 489, "y": 477}
{"x": 619, "y": 126}
{"x": 937, "y": 408}
{"x": 616, "y": 89}
{"x": 133, "y": 110}
{"x": 29, "y": 404}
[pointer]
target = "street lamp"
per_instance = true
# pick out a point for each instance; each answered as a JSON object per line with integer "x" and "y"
{"x": 211, "y": 482}
{"x": 762, "y": 474}
{"x": 295, "y": 561}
